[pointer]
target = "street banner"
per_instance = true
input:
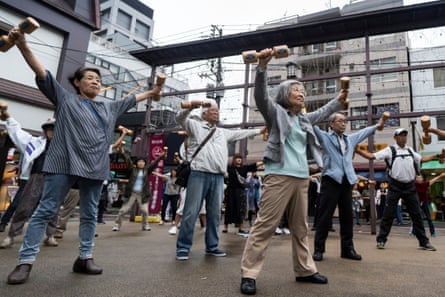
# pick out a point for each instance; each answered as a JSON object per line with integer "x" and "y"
{"x": 156, "y": 148}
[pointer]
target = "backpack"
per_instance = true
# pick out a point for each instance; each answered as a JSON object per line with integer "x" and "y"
{"x": 394, "y": 155}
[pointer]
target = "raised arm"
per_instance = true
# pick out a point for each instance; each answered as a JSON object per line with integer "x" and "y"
{"x": 364, "y": 154}
{"x": 436, "y": 131}
{"x": 21, "y": 43}
{"x": 121, "y": 137}
{"x": 436, "y": 179}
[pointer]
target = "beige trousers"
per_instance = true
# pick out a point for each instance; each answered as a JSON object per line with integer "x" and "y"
{"x": 281, "y": 193}
{"x": 135, "y": 197}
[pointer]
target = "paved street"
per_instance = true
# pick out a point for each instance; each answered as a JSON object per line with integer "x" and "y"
{"x": 138, "y": 263}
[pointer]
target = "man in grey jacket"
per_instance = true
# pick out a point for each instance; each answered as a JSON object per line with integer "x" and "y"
{"x": 206, "y": 181}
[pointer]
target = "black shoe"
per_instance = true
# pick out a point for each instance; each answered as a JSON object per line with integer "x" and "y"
{"x": 2, "y": 227}
{"x": 315, "y": 278}
{"x": 351, "y": 254}
{"x": 318, "y": 256}
{"x": 20, "y": 274}
{"x": 86, "y": 266}
{"x": 248, "y": 286}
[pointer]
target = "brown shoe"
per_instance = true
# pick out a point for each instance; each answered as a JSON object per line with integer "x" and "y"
{"x": 20, "y": 274}
{"x": 58, "y": 234}
{"x": 86, "y": 266}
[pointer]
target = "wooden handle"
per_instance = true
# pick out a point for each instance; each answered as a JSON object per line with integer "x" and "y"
{"x": 121, "y": 128}
{"x": 384, "y": 118}
{"x": 28, "y": 26}
{"x": 160, "y": 80}
{"x": 345, "y": 82}
{"x": 3, "y": 106}
{"x": 188, "y": 104}
{"x": 279, "y": 51}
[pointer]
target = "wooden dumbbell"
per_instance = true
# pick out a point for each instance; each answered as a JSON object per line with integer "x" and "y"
{"x": 265, "y": 135}
{"x": 188, "y": 104}
{"x": 165, "y": 152}
{"x": 425, "y": 121}
{"x": 121, "y": 128}
{"x": 279, "y": 51}
{"x": 160, "y": 80}
{"x": 344, "y": 85}
{"x": 3, "y": 106}
{"x": 442, "y": 156}
{"x": 28, "y": 26}
{"x": 385, "y": 116}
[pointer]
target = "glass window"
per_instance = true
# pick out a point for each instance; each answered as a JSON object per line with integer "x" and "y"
{"x": 330, "y": 86}
{"x": 384, "y": 63}
{"x": 110, "y": 94}
{"x": 377, "y": 110}
{"x": 142, "y": 30}
{"x": 441, "y": 125}
{"x": 124, "y": 19}
{"x": 330, "y": 45}
{"x": 439, "y": 77}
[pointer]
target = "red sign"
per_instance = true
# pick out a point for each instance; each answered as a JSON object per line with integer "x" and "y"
{"x": 156, "y": 145}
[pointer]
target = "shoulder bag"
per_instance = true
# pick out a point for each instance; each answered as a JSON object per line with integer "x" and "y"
{"x": 183, "y": 169}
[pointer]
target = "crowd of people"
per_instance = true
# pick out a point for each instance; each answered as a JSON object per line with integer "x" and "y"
{"x": 70, "y": 165}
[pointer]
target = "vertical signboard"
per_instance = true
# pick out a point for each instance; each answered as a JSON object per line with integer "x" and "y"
{"x": 156, "y": 148}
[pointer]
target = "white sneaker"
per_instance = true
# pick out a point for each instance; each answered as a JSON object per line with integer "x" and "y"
{"x": 278, "y": 231}
{"x": 146, "y": 227}
{"x": 172, "y": 230}
{"x": 51, "y": 241}
{"x": 7, "y": 242}
{"x": 286, "y": 231}
{"x": 116, "y": 228}
{"x": 161, "y": 223}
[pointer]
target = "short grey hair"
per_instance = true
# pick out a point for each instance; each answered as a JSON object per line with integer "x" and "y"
{"x": 334, "y": 115}
{"x": 284, "y": 89}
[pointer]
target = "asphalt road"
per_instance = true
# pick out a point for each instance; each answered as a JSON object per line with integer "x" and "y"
{"x": 138, "y": 263}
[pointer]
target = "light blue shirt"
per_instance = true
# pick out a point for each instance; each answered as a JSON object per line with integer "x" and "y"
{"x": 336, "y": 164}
{"x": 137, "y": 187}
{"x": 295, "y": 163}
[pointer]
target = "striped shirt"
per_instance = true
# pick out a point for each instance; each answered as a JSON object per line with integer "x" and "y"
{"x": 83, "y": 133}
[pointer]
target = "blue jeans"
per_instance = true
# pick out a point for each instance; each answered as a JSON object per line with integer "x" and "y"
{"x": 54, "y": 191}
{"x": 201, "y": 186}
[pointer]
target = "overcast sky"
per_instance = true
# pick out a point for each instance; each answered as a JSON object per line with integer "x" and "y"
{"x": 177, "y": 19}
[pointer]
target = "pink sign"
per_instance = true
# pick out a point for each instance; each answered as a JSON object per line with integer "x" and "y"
{"x": 156, "y": 148}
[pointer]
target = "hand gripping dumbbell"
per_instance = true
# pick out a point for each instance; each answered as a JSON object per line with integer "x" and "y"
{"x": 121, "y": 128}
{"x": 279, "y": 51}
{"x": 344, "y": 85}
{"x": 442, "y": 156}
{"x": 425, "y": 121}
{"x": 385, "y": 117}
{"x": 188, "y": 104}
{"x": 160, "y": 80}
{"x": 28, "y": 26}
{"x": 3, "y": 106}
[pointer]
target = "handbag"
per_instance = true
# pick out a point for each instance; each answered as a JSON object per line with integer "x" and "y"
{"x": 183, "y": 170}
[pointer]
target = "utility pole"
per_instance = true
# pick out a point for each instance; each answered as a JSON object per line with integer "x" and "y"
{"x": 216, "y": 70}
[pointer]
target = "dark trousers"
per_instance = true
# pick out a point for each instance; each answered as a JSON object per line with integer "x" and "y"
{"x": 173, "y": 200}
{"x": 407, "y": 192}
{"x": 317, "y": 211}
{"x": 333, "y": 194}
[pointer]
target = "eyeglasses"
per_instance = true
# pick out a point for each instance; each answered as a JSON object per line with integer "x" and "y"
{"x": 341, "y": 121}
